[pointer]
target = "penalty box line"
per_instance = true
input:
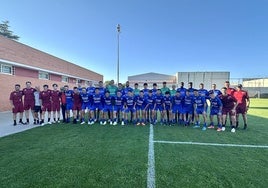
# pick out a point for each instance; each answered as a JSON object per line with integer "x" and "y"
{"x": 211, "y": 144}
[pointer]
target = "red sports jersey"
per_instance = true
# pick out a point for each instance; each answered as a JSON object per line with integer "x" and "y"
{"x": 77, "y": 99}
{"x": 28, "y": 94}
{"x": 230, "y": 91}
{"x": 241, "y": 97}
{"x": 228, "y": 101}
{"x": 16, "y": 97}
{"x": 45, "y": 96}
{"x": 55, "y": 96}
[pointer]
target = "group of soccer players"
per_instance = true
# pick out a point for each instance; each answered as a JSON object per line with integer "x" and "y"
{"x": 126, "y": 105}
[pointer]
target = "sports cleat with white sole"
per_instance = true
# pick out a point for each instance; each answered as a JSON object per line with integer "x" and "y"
{"x": 233, "y": 130}
{"x": 82, "y": 122}
{"x": 104, "y": 123}
{"x": 115, "y": 123}
{"x": 123, "y": 123}
{"x": 223, "y": 128}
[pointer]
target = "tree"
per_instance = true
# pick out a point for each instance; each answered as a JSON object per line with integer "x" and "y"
{"x": 4, "y": 31}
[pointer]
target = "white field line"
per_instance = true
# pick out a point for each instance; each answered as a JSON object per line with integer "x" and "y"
{"x": 212, "y": 144}
{"x": 151, "y": 162}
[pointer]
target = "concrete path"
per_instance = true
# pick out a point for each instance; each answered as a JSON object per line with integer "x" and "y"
{"x": 6, "y": 124}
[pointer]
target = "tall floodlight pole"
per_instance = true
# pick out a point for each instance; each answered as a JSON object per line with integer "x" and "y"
{"x": 118, "y": 33}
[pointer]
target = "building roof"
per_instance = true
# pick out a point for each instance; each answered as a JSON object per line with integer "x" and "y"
{"x": 150, "y": 76}
{"x": 14, "y": 51}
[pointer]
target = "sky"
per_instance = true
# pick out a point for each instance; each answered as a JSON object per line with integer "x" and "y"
{"x": 162, "y": 36}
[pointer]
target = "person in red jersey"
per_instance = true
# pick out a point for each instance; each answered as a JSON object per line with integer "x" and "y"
{"x": 229, "y": 104}
{"x": 229, "y": 89}
{"x": 17, "y": 104}
{"x": 77, "y": 107}
{"x": 55, "y": 103}
{"x": 242, "y": 104}
{"x": 29, "y": 101}
{"x": 45, "y": 99}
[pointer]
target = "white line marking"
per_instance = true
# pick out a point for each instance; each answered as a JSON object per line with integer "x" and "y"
{"x": 151, "y": 169}
{"x": 211, "y": 144}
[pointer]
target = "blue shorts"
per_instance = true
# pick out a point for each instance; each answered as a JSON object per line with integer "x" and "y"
{"x": 139, "y": 107}
{"x": 159, "y": 107}
{"x": 168, "y": 108}
{"x": 108, "y": 108}
{"x": 200, "y": 110}
{"x": 69, "y": 106}
{"x": 150, "y": 107}
{"x": 188, "y": 110}
{"x": 96, "y": 107}
{"x": 85, "y": 105}
{"x": 177, "y": 109}
{"x": 118, "y": 108}
{"x": 130, "y": 109}
{"x": 214, "y": 111}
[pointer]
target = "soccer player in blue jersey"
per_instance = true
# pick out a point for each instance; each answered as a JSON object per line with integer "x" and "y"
{"x": 191, "y": 89}
{"x": 182, "y": 89}
{"x": 130, "y": 111}
{"x": 150, "y": 101}
{"x": 140, "y": 105}
{"x": 69, "y": 102}
{"x": 215, "y": 90}
{"x": 118, "y": 110}
{"x": 177, "y": 108}
{"x": 96, "y": 106}
{"x": 200, "y": 109}
{"x": 158, "y": 106}
{"x": 127, "y": 88}
{"x": 188, "y": 108}
{"x": 101, "y": 88}
{"x": 167, "y": 103}
{"x": 154, "y": 90}
{"x": 90, "y": 88}
{"x": 107, "y": 101}
{"x": 145, "y": 89}
{"x": 202, "y": 91}
{"x": 215, "y": 110}
{"x": 85, "y": 105}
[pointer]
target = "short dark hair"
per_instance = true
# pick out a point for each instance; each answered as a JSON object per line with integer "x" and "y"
{"x": 17, "y": 85}
{"x": 45, "y": 85}
{"x": 55, "y": 85}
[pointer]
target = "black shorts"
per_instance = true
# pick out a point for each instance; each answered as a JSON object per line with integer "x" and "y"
{"x": 37, "y": 109}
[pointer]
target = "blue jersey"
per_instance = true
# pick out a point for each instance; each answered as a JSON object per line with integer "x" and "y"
{"x": 119, "y": 101}
{"x": 107, "y": 101}
{"x": 127, "y": 89}
{"x": 188, "y": 102}
{"x": 200, "y": 101}
{"x": 96, "y": 99}
{"x": 167, "y": 102}
{"x": 102, "y": 91}
{"x": 177, "y": 101}
{"x": 191, "y": 91}
{"x": 69, "y": 96}
{"x": 140, "y": 102}
{"x": 85, "y": 97}
{"x": 146, "y": 92}
{"x": 216, "y": 92}
{"x": 203, "y": 93}
{"x": 129, "y": 101}
{"x": 215, "y": 103}
{"x": 150, "y": 100}
{"x": 159, "y": 100}
{"x": 154, "y": 92}
{"x": 182, "y": 91}
{"x": 91, "y": 90}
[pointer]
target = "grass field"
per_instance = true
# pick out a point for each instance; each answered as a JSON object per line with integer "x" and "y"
{"x": 115, "y": 156}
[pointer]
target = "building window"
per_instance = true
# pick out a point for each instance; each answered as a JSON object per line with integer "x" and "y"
{"x": 43, "y": 75}
{"x": 6, "y": 69}
{"x": 65, "y": 79}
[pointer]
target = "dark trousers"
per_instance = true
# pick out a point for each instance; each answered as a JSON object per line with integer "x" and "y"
{"x": 63, "y": 110}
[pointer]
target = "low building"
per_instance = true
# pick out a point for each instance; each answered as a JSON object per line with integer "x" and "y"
{"x": 151, "y": 78}
{"x": 207, "y": 78}
{"x": 20, "y": 63}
